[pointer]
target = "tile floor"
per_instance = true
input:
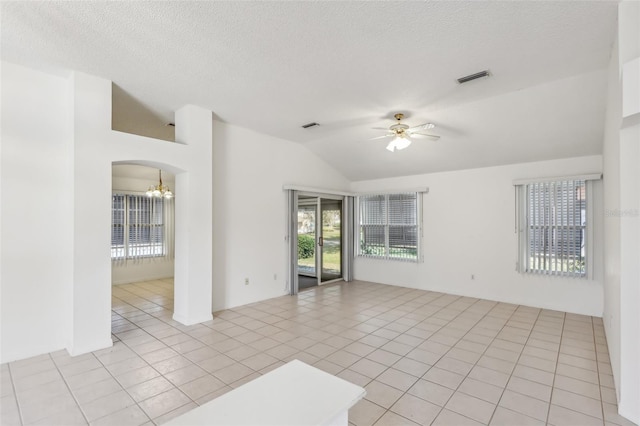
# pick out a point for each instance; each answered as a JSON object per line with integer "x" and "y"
{"x": 423, "y": 357}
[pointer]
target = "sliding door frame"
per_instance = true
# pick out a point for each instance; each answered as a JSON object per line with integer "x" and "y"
{"x": 347, "y": 233}
{"x": 320, "y": 260}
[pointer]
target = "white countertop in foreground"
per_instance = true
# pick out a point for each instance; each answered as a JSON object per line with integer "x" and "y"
{"x": 295, "y": 394}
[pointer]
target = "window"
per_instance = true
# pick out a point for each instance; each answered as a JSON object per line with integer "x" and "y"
{"x": 553, "y": 227}
{"x": 138, "y": 228}
{"x": 389, "y": 226}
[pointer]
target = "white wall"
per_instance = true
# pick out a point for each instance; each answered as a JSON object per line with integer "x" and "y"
{"x": 629, "y": 403}
{"x": 56, "y": 134}
{"x": 146, "y": 268}
{"x": 250, "y": 210}
{"x": 622, "y": 212}
{"x": 37, "y": 221}
{"x": 629, "y": 59}
{"x": 611, "y": 182}
{"x": 469, "y": 229}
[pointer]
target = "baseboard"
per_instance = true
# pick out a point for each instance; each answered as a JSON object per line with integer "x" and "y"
{"x": 95, "y": 346}
{"x": 140, "y": 279}
{"x": 192, "y": 321}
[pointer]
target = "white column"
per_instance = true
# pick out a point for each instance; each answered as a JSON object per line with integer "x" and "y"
{"x": 629, "y": 385}
{"x": 194, "y": 218}
{"x": 629, "y": 380}
{"x": 91, "y": 293}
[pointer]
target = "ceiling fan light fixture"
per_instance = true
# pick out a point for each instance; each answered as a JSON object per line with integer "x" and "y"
{"x": 399, "y": 142}
{"x": 402, "y": 142}
{"x": 401, "y": 134}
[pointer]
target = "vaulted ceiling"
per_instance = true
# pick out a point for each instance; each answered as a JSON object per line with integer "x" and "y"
{"x": 274, "y": 66}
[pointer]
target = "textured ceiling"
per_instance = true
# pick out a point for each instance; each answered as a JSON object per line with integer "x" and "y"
{"x": 273, "y": 66}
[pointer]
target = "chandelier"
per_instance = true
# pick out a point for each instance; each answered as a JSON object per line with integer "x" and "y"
{"x": 160, "y": 190}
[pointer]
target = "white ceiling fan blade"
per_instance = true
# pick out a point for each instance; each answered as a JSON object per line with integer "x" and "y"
{"x": 382, "y": 137}
{"x": 425, "y": 126}
{"x": 386, "y": 129}
{"x": 425, "y": 135}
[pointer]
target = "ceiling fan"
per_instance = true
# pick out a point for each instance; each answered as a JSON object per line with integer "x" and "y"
{"x": 402, "y": 134}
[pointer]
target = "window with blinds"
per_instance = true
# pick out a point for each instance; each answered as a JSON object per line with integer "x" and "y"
{"x": 389, "y": 226}
{"x": 138, "y": 228}
{"x": 555, "y": 231}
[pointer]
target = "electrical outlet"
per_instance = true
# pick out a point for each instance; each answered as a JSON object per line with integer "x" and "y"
{"x": 246, "y": 281}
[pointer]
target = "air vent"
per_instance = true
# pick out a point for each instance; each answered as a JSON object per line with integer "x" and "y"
{"x": 309, "y": 125}
{"x": 475, "y": 76}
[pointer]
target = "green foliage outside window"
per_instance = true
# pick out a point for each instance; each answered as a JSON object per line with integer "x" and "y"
{"x": 306, "y": 246}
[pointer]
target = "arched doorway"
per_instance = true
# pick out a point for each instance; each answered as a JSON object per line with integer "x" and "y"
{"x": 142, "y": 245}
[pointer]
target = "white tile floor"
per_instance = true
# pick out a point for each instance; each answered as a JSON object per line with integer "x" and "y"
{"x": 424, "y": 358}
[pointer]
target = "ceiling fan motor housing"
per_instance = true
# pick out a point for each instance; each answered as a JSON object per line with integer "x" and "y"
{"x": 399, "y": 128}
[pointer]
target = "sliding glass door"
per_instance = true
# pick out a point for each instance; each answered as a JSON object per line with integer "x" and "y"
{"x": 330, "y": 240}
{"x": 307, "y": 221}
{"x": 319, "y": 240}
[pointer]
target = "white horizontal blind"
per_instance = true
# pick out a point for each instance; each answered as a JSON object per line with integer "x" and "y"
{"x": 389, "y": 226}
{"x": 373, "y": 224}
{"x": 556, "y": 219}
{"x": 118, "y": 226}
{"x": 138, "y": 228}
{"x": 403, "y": 226}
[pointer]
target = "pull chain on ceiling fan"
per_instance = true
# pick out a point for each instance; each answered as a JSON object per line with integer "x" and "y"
{"x": 402, "y": 134}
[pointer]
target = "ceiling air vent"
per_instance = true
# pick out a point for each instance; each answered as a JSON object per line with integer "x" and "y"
{"x": 475, "y": 76}
{"x": 310, "y": 125}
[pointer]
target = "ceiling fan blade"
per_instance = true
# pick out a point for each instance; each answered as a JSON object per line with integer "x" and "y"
{"x": 381, "y": 128}
{"x": 382, "y": 137}
{"x": 425, "y": 126}
{"x": 425, "y": 135}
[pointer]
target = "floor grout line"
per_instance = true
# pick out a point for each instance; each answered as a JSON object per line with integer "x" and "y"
{"x": 555, "y": 370}
{"x": 595, "y": 349}
{"x": 15, "y": 395}
{"x": 397, "y": 310}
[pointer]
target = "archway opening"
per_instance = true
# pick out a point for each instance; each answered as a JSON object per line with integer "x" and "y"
{"x": 142, "y": 248}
